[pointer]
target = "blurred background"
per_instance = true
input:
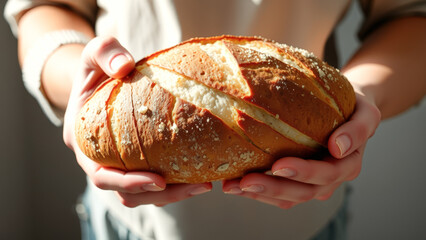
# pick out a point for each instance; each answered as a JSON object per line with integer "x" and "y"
{"x": 40, "y": 180}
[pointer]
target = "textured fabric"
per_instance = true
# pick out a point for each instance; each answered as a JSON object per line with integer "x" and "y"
{"x": 145, "y": 26}
{"x": 97, "y": 223}
{"x": 35, "y": 60}
{"x": 15, "y": 8}
{"x": 378, "y": 12}
{"x": 96, "y": 220}
{"x": 337, "y": 228}
{"x": 214, "y": 216}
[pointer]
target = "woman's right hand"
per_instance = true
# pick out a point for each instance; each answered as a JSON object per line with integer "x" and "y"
{"x": 103, "y": 58}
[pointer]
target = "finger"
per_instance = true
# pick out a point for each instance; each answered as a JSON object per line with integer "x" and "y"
{"x": 284, "y": 190}
{"x": 271, "y": 194}
{"x": 233, "y": 187}
{"x": 128, "y": 182}
{"x": 108, "y": 55}
{"x": 278, "y": 188}
{"x": 102, "y": 58}
{"x": 284, "y": 204}
{"x": 306, "y": 171}
{"x": 173, "y": 193}
{"x": 354, "y": 133}
{"x": 325, "y": 172}
{"x": 113, "y": 179}
{"x": 326, "y": 193}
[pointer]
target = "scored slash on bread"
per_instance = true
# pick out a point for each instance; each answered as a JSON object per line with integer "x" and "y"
{"x": 215, "y": 108}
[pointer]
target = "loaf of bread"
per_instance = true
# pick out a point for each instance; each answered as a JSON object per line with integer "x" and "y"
{"x": 215, "y": 108}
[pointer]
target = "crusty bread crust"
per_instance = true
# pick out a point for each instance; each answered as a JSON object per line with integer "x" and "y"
{"x": 92, "y": 128}
{"x": 215, "y": 108}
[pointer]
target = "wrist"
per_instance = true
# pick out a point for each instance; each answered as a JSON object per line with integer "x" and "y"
{"x": 40, "y": 80}
{"x": 365, "y": 84}
{"x": 59, "y": 72}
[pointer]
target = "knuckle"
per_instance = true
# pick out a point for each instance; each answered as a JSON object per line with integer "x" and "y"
{"x": 376, "y": 113}
{"x": 171, "y": 197}
{"x": 306, "y": 176}
{"x": 101, "y": 42}
{"x": 128, "y": 202}
{"x": 324, "y": 197}
{"x": 106, "y": 42}
{"x": 253, "y": 196}
{"x": 356, "y": 167}
{"x": 276, "y": 193}
{"x": 307, "y": 195}
{"x": 68, "y": 135}
{"x": 66, "y": 139}
{"x": 363, "y": 131}
{"x": 285, "y": 205}
{"x": 97, "y": 46}
{"x": 355, "y": 173}
{"x": 333, "y": 175}
{"x": 376, "y": 116}
{"x": 99, "y": 184}
{"x": 331, "y": 178}
{"x": 90, "y": 46}
{"x": 130, "y": 188}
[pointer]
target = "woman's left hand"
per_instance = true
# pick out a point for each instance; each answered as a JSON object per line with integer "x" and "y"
{"x": 295, "y": 180}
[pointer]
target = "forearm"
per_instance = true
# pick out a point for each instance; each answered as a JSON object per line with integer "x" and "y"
{"x": 389, "y": 67}
{"x": 60, "y": 67}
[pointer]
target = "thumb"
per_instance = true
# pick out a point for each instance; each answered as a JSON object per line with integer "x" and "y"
{"x": 106, "y": 54}
{"x": 355, "y": 133}
{"x": 103, "y": 57}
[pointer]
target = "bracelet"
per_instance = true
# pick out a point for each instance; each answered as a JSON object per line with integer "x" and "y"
{"x": 34, "y": 63}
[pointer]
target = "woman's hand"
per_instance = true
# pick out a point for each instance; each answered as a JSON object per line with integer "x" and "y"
{"x": 103, "y": 58}
{"x": 295, "y": 180}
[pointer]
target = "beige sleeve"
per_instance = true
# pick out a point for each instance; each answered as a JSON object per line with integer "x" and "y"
{"x": 43, "y": 47}
{"x": 14, "y": 9}
{"x": 378, "y": 12}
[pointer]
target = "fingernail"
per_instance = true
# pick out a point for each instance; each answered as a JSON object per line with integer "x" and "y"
{"x": 199, "y": 190}
{"x": 285, "y": 172}
{"x": 344, "y": 143}
{"x": 235, "y": 190}
{"x": 255, "y": 188}
{"x": 152, "y": 187}
{"x": 117, "y": 62}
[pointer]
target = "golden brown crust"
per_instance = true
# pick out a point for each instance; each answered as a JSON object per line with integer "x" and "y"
{"x": 92, "y": 128}
{"x": 125, "y": 131}
{"x": 183, "y": 60}
{"x": 204, "y": 148}
{"x": 329, "y": 78}
{"x": 271, "y": 141}
{"x": 153, "y": 107}
{"x": 204, "y": 40}
{"x": 183, "y": 140}
{"x": 282, "y": 101}
{"x": 284, "y": 91}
